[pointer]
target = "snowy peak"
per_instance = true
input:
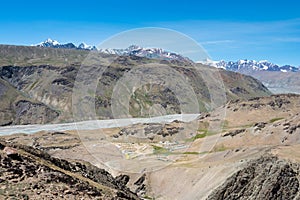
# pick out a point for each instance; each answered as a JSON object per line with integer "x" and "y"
{"x": 55, "y": 44}
{"x": 86, "y": 47}
{"x": 246, "y": 66}
{"x": 48, "y": 43}
{"x": 155, "y": 53}
{"x": 209, "y": 62}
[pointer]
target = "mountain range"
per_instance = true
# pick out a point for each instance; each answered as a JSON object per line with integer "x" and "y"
{"x": 55, "y": 44}
{"x": 250, "y": 65}
{"x": 133, "y": 50}
{"x": 278, "y": 79}
{"x": 242, "y": 66}
{"x": 266, "y": 72}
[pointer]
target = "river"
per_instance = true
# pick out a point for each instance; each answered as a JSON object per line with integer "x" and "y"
{"x": 94, "y": 124}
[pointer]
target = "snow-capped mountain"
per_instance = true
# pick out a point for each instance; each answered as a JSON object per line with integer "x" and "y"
{"x": 55, "y": 44}
{"x": 278, "y": 79}
{"x": 156, "y": 53}
{"x": 87, "y": 47}
{"x": 48, "y": 43}
{"x": 248, "y": 66}
{"x": 209, "y": 62}
{"x": 133, "y": 50}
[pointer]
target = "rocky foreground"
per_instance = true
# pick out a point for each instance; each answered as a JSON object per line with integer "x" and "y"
{"x": 28, "y": 173}
{"x": 264, "y": 178}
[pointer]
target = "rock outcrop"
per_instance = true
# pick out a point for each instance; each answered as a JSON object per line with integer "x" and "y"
{"x": 28, "y": 173}
{"x": 264, "y": 178}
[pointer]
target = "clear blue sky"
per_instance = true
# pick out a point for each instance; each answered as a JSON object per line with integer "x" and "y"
{"x": 229, "y": 30}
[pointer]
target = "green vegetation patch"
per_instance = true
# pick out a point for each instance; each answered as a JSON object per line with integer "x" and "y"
{"x": 33, "y": 85}
{"x": 204, "y": 133}
{"x": 198, "y": 136}
{"x": 148, "y": 197}
{"x": 160, "y": 150}
{"x": 191, "y": 153}
{"x": 276, "y": 119}
{"x": 219, "y": 148}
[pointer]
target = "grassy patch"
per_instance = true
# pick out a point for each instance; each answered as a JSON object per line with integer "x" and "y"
{"x": 218, "y": 148}
{"x": 142, "y": 97}
{"x": 203, "y": 134}
{"x": 206, "y": 132}
{"x": 192, "y": 139}
{"x": 33, "y": 85}
{"x": 276, "y": 119}
{"x": 160, "y": 150}
{"x": 198, "y": 136}
{"x": 191, "y": 153}
{"x": 147, "y": 197}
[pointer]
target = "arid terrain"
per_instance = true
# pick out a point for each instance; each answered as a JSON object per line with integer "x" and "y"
{"x": 252, "y": 155}
{"x": 239, "y": 141}
{"x": 150, "y": 100}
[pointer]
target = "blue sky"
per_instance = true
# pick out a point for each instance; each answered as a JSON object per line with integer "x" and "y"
{"x": 229, "y": 30}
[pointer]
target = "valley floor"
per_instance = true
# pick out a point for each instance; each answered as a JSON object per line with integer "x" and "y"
{"x": 251, "y": 152}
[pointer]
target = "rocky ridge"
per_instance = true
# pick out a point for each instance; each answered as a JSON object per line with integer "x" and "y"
{"x": 265, "y": 178}
{"x": 31, "y": 173}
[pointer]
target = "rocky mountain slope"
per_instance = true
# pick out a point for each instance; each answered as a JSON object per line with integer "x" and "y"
{"x": 47, "y": 76}
{"x": 28, "y": 173}
{"x": 263, "y": 178}
{"x": 17, "y": 108}
{"x": 279, "y": 82}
